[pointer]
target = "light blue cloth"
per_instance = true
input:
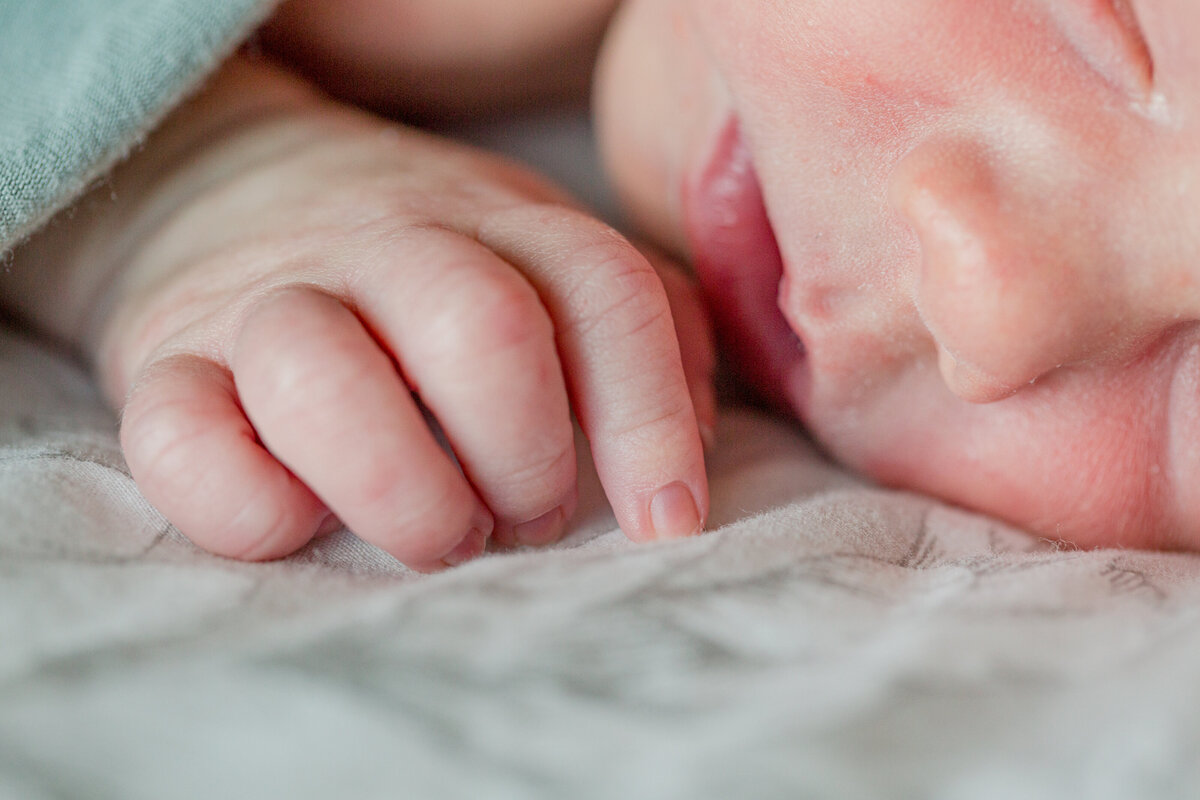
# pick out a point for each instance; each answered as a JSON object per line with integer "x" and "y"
{"x": 82, "y": 81}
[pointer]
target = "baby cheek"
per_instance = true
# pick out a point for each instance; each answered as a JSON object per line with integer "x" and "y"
{"x": 1076, "y": 458}
{"x": 659, "y": 106}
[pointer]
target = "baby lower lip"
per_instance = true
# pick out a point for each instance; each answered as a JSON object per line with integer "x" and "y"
{"x": 739, "y": 265}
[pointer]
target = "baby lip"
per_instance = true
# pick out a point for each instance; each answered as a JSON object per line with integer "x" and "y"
{"x": 738, "y": 262}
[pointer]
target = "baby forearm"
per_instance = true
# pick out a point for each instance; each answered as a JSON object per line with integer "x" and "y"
{"x": 440, "y": 58}
{"x": 443, "y": 58}
{"x": 64, "y": 279}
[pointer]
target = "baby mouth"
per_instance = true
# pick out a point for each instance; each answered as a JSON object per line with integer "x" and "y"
{"x": 738, "y": 262}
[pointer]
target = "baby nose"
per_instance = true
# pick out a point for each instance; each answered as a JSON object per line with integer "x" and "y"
{"x": 1016, "y": 279}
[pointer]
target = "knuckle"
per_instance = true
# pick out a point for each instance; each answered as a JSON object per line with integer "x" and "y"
{"x": 162, "y": 435}
{"x": 274, "y": 524}
{"x": 296, "y": 385}
{"x": 427, "y": 528}
{"x": 602, "y": 251}
{"x": 285, "y": 369}
{"x": 654, "y": 421}
{"x": 601, "y": 281}
{"x": 535, "y": 482}
{"x": 378, "y": 491}
{"x": 538, "y": 215}
{"x": 280, "y": 314}
{"x": 507, "y": 314}
{"x": 488, "y": 312}
{"x": 618, "y": 291}
{"x": 157, "y": 434}
{"x": 406, "y": 504}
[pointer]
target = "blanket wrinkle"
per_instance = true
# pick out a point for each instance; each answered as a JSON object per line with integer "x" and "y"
{"x": 828, "y": 625}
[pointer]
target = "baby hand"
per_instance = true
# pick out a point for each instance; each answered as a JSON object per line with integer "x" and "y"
{"x": 313, "y": 284}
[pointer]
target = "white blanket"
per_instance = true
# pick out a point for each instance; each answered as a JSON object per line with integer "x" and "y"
{"x": 828, "y": 639}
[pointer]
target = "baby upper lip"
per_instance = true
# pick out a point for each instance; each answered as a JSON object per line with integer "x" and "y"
{"x": 738, "y": 262}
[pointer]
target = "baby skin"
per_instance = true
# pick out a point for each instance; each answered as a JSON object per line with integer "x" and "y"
{"x": 960, "y": 239}
{"x": 280, "y": 291}
{"x": 957, "y": 238}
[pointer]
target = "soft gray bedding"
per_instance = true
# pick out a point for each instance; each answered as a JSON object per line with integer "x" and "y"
{"x": 828, "y": 640}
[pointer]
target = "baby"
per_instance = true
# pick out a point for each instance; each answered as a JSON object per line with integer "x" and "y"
{"x": 958, "y": 238}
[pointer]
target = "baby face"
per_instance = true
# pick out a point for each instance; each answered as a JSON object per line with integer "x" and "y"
{"x": 960, "y": 238}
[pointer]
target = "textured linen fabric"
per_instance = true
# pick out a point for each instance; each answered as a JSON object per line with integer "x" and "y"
{"x": 827, "y": 640}
{"x": 81, "y": 81}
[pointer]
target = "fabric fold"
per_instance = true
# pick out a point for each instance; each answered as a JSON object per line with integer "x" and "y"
{"x": 82, "y": 83}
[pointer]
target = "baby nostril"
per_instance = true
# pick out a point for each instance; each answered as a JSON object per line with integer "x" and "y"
{"x": 997, "y": 292}
{"x": 971, "y": 383}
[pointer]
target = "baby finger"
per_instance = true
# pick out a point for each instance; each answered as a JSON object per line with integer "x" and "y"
{"x": 617, "y": 340}
{"x": 196, "y": 458}
{"x": 329, "y": 404}
{"x": 472, "y": 336}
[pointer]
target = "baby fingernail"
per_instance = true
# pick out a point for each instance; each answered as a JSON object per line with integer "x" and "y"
{"x": 469, "y": 549}
{"x": 331, "y": 524}
{"x": 674, "y": 513}
{"x": 542, "y": 531}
